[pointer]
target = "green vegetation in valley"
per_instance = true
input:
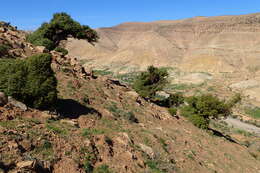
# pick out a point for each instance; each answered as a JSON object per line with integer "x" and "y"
{"x": 128, "y": 77}
{"x": 102, "y": 72}
{"x": 174, "y": 100}
{"x": 201, "y": 109}
{"x": 255, "y": 112}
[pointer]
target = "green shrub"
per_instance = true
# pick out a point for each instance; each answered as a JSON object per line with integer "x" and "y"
{"x": 201, "y": 109}
{"x": 209, "y": 106}
{"x": 59, "y": 28}
{"x": 199, "y": 121}
{"x": 172, "y": 111}
{"x": 30, "y": 81}
{"x": 186, "y": 111}
{"x": 151, "y": 81}
{"x": 88, "y": 166}
{"x": 61, "y": 50}
{"x": 174, "y": 100}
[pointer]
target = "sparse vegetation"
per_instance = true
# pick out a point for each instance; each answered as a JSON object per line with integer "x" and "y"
{"x": 234, "y": 100}
{"x": 172, "y": 111}
{"x": 102, "y": 72}
{"x": 56, "y": 128}
{"x": 128, "y": 77}
{"x": 255, "y": 112}
{"x": 94, "y": 125}
{"x": 30, "y": 81}
{"x": 154, "y": 166}
{"x": 89, "y": 132}
{"x": 117, "y": 112}
{"x": 59, "y": 28}
{"x": 102, "y": 169}
{"x": 44, "y": 150}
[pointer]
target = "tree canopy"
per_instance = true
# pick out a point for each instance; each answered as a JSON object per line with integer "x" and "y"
{"x": 201, "y": 109}
{"x": 150, "y": 81}
{"x": 59, "y": 28}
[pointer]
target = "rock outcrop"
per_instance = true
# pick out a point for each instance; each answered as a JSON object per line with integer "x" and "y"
{"x": 16, "y": 41}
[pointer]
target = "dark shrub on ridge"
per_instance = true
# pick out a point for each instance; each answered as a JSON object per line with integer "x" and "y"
{"x": 30, "y": 81}
{"x": 59, "y": 28}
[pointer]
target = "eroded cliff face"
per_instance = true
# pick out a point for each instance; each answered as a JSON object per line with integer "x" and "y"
{"x": 212, "y": 44}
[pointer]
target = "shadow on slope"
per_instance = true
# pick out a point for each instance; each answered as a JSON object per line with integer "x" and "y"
{"x": 219, "y": 134}
{"x": 69, "y": 108}
{"x": 6, "y": 168}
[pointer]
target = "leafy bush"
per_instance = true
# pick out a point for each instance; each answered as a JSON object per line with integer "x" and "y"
{"x": 201, "y": 108}
{"x": 151, "y": 81}
{"x": 30, "y": 81}
{"x": 174, "y": 100}
{"x": 209, "y": 106}
{"x": 61, "y": 50}
{"x": 199, "y": 121}
{"x": 59, "y": 28}
{"x": 172, "y": 111}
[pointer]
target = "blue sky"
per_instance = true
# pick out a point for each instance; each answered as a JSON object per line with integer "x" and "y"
{"x": 29, "y": 14}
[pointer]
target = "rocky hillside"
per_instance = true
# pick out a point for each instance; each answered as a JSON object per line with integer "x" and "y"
{"x": 210, "y": 53}
{"x": 102, "y": 125}
{"x": 212, "y": 44}
{"x": 15, "y": 42}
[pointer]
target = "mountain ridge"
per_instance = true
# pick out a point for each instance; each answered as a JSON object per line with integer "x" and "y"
{"x": 224, "y": 43}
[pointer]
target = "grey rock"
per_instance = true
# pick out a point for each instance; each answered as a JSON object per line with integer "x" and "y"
{"x": 17, "y": 104}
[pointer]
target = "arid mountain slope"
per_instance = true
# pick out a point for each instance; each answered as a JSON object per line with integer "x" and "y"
{"x": 101, "y": 124}
{"x": 213, "y": 44}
